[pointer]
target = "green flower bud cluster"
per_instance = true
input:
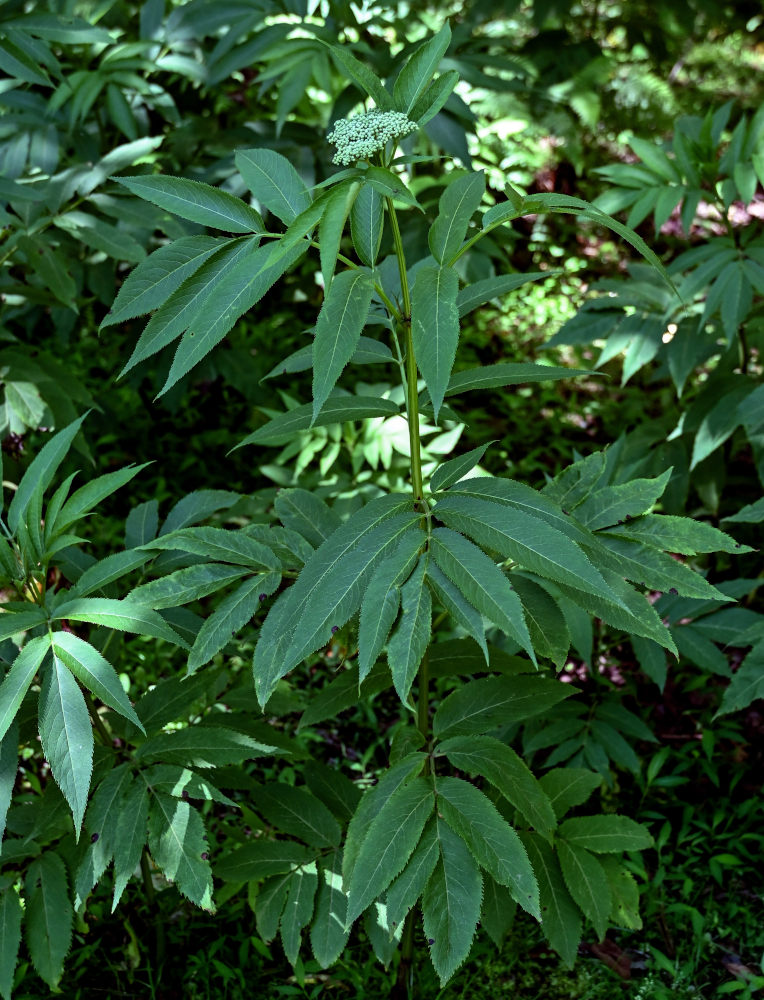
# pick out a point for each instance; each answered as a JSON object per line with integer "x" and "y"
{"x": 358, "y": 137}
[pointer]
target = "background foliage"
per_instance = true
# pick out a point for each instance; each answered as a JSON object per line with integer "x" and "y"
{"x": 603, "y": 101}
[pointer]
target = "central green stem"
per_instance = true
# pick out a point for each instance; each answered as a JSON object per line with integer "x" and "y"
{"x": 412, "y": 392}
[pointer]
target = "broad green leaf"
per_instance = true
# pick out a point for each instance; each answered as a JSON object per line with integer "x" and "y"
{"x": 498, "y": 912}
{"x": 202, "y": 746}
{"x": 184, "y": 305}
{"x": 142, "y": 523}
{"x": 274, "y": 182}
{"x": 366, "y": 224}
{"x": 419, "y": 70}
{"x": 130, "y": 836}
{"x": 330, "y": 585}
{"x": 652, "y": 658}
{"x": 647, "y": 566}
{"x": 297, "y": 812}
{"x": 493, "y": 702}
{"x": 178, "y": 846}
{"x": 260, "y": 859}
{"x": 410, "y": 884}
{"x": 481, "y": 582}
{"x": 679, "y": 534}
{"x": 20, "y": 621}
{"x": 19, "y": 65}
{"x": 94, "y": 232}
{"x": 186, "y": 585}
{"x": 433, "y": 98}
{"x": 98, "y": 576}
{"x": 299, "y": 908}
{"x": 752, "y": 513}
{"x": 611, "y": 504}
{"x": 500, "y": 765}
{"x": 219, "y": 544}
{"x": 41, "y": 471}
{"x": 493, "y": 842}
{"x": 50, "y": 267}
{"x": 47, "y": 916}
{"x": 330, "y": 230}
{"x": 169, "y": 700}
{"x": 94, "y": 671}
{"x": 605, "y": 834}
{"x": 524, "y": 538}
{"x": 307, "y": 514}
{"x": 154, "y": 280}
{"x": 269, "y": 905}
{"x": 508, "y": 373}
{"x": 451, "y": 904}
{"x": 9, "y": 766}
{"x": 229, "y": 617}
{"x": 197, "y": 202}
{"x": 10, "y": 938}
{"x": 336, "y": 410}
{"x": 124, "y": 615}
{"x": 373, "y": 801}
{"x": 333, "y": 788}
{"x": 18, "y": 680}
{"x": 411, "y": 637}
{"x": 568, "y": 787}
{"x": 104, "y": 804}
{"x": 560, "y": 917}
{"x": 83, "y": 500}
{"x": 546, "y": 621}
{"x": 435, "y": 328}
{"x": 67, "y": 736}
{"x": 746, "y": 686}
{"x": 182, "y": 783}
{"x": 338, "y": 329}
{"x": 461, "y": 611}
{"x": 587, "y": 884}
{"x": 379, "y": 607}
{"x": 480, "y": 292}
{"x": 454, "y": 469}
{"x": 362, "y": 76}
{"x": 240, "y": 288}
{"x": 458, "y": 203}
{"x": 328, "y": 932}
{"x": 625, "y": 894}
{"x": 342, "y": 693}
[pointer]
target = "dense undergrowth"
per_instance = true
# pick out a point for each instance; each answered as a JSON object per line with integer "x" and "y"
{"x": 608, "y": 102}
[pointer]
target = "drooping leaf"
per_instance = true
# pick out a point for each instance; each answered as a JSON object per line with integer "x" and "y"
{"x": 10, "y": 938}
{"x": 307, "y": 514}
{"x": 507, "y": 373}
{"x": 746, "y": 685}
{"x": 229, "y": 617}
{"x": 625, "y": 894}
{"x": 491, "y": 702}
{"x": 269, "y": 905}
{"x": 679, "y": 534}
{"x": 611, "y": 504}
{"x": 297, "y": 812}
{"x": 452, "y": 471}
{"x": 389, "y": 843}
{"x": 480, "y": 292}
{"x": 508, "y": 773}
{"x": 328, "y": 933}
{"x": 381, "y": 600}
{"x": 299, "y": 908}
{"x": 362, "y": 76}
{"x": 330, "y": 587}
{"x": 337, "y": 409}
{"x": 435, "y": 328}
{"x": 568, "y": 787}
{"x": 338, "y": 206}
{"x": 605, "y": 834}
{"x": 494, "y": 843}
{"x": 545, "y": 618}
{"x": 219, "y": 544}
{"x": 178, "y": 845}
{"x": 411, "y": 637}
{"x": 338, "y": 330}
{"x": 499, "y": 909}
{"x": 461, "y": 611}
{"x": 451, "y": 904}
{"x": 47, "y": 916}
{"x": 9, "y": 766}
{"x": 481, "y": 582}
{"x": 67, "y": 736}
{"x": 129, "y": 836}
{"x": 202, "y": 746}
{"x": 587, "y": 883}
{"x": 519, "y": 535}
{"x": 560, "y": 917}
{"x": 262, "y": 859}
{"x": 19, "y": 679}
{"x": 94, "y": 671}
{"x": 409, "y": 885}
{"x": 186, "y": 585}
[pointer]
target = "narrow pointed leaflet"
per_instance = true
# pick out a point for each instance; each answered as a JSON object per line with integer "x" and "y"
{"x": 435, "y": 328}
